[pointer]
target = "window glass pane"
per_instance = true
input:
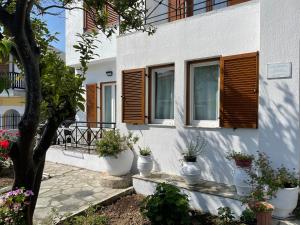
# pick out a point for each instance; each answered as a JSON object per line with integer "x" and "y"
{"x": 205, "y": 92}
{"x": 107, "y": 104}
{"x": 199, "y": 6}
{"x": 218, "y": 4}
{"x": 164, "y": 95}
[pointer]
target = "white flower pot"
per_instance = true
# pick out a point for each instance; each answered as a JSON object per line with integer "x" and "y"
{"x": 145, "y": 165}
{"x": 285, "y": 202}
{"x": 241, "y": 181}
{"x": 190, "y": 173}
{"x": 120, "y": 165}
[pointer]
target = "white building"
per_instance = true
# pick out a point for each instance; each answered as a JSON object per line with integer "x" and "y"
{"x": 12, "y": 101}
{"x": 249, "y": 102}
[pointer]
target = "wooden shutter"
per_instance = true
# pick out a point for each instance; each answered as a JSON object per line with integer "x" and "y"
{"x": 113, "y": 17}
{"x": 91, "y": 104}
{"x": 176, "y": 10}
{"x": 133, "y": 96}
{"x": 88, "y": 23}
{"x": 234, "y": 2}
{"x": 239, "y": 91}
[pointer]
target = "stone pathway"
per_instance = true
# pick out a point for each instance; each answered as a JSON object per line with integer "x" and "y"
{"x": 69, "y": 190}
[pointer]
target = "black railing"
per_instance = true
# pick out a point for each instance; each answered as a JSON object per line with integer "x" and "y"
{"x": 13, "y": 80}
{"x": 81, "y": 134}
{"x": 9, "y": 121}
{"x": 182, "y": 9}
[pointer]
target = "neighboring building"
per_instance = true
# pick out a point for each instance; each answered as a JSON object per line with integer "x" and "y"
{"x": 225, "y": 70}
{"x": 12, "y": 101}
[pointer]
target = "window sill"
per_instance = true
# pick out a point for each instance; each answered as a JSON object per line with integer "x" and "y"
{"x": 202, "y": 127}
{"x": 161, "y": 125}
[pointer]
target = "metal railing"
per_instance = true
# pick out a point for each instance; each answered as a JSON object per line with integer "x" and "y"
{"x": 182, "y": 9}
{"x": 81, "y": 134}
{"x": 9, "y": 121}
{"x": 13, "y": 80}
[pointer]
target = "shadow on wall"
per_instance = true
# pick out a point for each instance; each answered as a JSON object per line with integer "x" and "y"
{"x": 212, "y": 162}
{"x": 279, "y": 124}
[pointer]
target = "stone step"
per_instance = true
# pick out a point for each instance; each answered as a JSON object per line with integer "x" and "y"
{"x": 285, "y": 222}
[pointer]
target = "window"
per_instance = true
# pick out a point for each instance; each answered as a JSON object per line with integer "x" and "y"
{"x": 108, "y": 103}
{"x": 162, "y": 92}
{"x": 11, "y": 119}
{"x": 204, "y": 94}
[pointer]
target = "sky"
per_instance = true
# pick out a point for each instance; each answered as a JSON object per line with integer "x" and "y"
{"x": 57, "y": 24}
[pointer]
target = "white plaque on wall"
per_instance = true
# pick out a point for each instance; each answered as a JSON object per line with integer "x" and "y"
{"x": 279, "y": 70}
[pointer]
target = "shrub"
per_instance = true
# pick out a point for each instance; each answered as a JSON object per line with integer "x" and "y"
{"x": 167, "y": 206}
{"x": 239, "y": 156}
{"x": 145, "y": 151}
{"x": 112, "y": 143}
{"x": 226, "y": 216}
{"x": 248, "y": 217}
{"x": 6, "y": 140}
{"x": 12, "y": 205}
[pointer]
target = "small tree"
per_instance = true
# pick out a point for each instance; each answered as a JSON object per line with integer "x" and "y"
{"x": 52, "y": 90}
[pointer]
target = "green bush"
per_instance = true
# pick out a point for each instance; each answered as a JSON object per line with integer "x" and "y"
{"x": 112, "y": 143}
{"x": 167, "y": 206}
{"x": 226, "y": 216}
{"x": 248, "y": 217}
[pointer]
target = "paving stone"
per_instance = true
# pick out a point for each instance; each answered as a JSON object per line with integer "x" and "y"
{"x": 70, "y": 190}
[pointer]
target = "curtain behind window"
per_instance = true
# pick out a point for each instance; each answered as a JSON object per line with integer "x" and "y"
{"x": 206, "y": 92}
{"x": 164, "y": 95}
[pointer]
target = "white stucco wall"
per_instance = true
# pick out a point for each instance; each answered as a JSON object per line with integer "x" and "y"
{"x": 279, "y": 98}
{"x": 228, "y": 31}
{"x": 97, "y": 74}
{"x": 74, "y": 25}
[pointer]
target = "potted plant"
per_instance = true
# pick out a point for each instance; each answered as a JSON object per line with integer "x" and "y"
{"x": 286, "y": 197}
{"x": 243, "y": 163}
{"x": 241, "y": 160}
{"x": 263, "y": 211}
{"x": 280, "y": 186}
{"x": 145, "y": 162}
{"x": 190, "y": 171}
{"x": 116, "y": 151}
{"x": 248, "y": 217}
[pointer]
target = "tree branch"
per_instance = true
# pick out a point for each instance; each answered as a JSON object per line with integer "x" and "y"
{"x": 46, "y": 139}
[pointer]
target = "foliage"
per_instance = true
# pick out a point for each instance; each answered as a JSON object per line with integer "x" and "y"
{"x": 146, "y": 151}
{"x": 225, "y": 216}
{"x": 261, "y": 206}
{"x": 61, "y": 88}
{"x": 248, "y": 216}
{"x": 194, "y": 149}
{"x": 88, "y": 217}
{"x": 239, "y": 156}
{"x": 6, "y": 140}
{"x": 85, "y": 46}
{"x": 167, "y": 206}
{"x": 5, "y": 47}
{"x": 266, "y": 181}
{"x": 112, "y": 143}
{"x": 12, "y": 205}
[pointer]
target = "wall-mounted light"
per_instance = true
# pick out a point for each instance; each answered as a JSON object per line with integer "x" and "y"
{"x": 109, "y": 73}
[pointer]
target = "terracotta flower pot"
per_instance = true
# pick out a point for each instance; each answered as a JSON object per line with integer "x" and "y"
{"x": 243, "y": 163}
{"x": 264, "y": 218}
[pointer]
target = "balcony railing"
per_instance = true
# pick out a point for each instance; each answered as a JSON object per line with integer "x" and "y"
{"x": 163, "y": 12}
{"x": 13, "y": 80}
{"x": 80, "y": 134}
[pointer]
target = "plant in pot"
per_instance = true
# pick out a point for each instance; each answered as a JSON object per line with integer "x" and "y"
{"x": 6, "y": 140}
{"x": 190, "y": 171}
{"x": 279, "y": 186}
{"x": 248, "y": 217}
{"x": 116, "y": 151}
{"x": 145, "y": 162}
{"x": 263, "y": 211}
{"x": 243, "y": 163}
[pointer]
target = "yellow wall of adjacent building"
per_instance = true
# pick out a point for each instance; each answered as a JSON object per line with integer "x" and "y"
{"x": 12, "y": 101}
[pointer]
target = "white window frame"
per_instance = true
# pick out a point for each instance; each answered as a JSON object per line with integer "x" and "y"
{"x": 167, "y": 122}
{"x": 203, "y": 123}
{"x": 113, "y": 103}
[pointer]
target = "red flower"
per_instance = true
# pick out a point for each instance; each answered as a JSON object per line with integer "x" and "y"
{"x": 4, "y": 144}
